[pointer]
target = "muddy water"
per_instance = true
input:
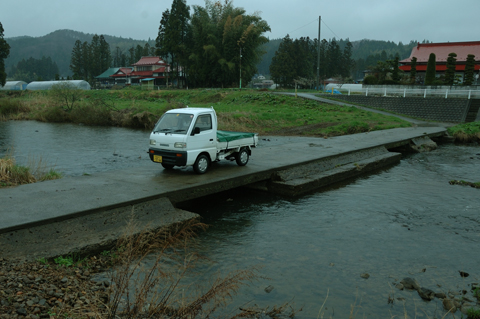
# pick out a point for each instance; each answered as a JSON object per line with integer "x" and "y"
{"x": 406, "y": 221}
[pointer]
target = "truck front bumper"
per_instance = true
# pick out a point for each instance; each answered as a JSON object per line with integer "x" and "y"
{"x": 176, "y": 158}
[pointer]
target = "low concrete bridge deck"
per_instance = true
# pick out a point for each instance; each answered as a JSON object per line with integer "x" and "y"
{"x": 43, "y": 203}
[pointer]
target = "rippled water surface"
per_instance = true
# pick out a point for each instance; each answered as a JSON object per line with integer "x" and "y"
{"x": 405, "y": 221}
{"x": 74, "y": 149}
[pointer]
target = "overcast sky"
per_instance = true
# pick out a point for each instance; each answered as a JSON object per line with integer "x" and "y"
{"x": 400, "y": 20}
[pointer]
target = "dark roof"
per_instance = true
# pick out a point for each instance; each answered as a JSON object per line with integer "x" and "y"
{"x": 107, "y": 73}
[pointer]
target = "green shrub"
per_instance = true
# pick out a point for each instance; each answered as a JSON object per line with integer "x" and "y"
{"x": 54, "y": 115}
{"x": 370, "y": 79}
{"x": 91, "y": 114}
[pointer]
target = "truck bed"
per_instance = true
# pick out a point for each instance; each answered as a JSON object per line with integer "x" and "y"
{"x": 228, "y": 139}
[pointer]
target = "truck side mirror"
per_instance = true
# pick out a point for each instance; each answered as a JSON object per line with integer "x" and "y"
{"x": 196, "y": 130}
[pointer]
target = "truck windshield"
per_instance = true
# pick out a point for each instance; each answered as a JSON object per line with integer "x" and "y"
{"x": 174, "y": 123}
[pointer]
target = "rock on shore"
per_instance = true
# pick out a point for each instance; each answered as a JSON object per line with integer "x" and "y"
{"x": 40, "y": 289}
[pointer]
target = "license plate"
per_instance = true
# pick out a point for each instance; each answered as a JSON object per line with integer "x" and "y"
{"x": 157, "y": 158}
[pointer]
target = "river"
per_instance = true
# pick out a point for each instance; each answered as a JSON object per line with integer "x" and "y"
{"x": 404, "y": 221}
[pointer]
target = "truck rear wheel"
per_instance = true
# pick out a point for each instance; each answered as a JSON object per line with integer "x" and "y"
{"x": 201, "y": 164}
{"x": 242, "y": 157}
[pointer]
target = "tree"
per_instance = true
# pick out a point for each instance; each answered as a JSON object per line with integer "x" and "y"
{"x": 395, "y": 70}
{"x": 413, "y": 70}
{"x": 172, "y": 36}
{"x": 66, "y": 94}
{"x": 35, "y": 69}
{"x": 217, "y": 34}
{"x": 334, "y": 58}
{"x": 76, "y": 61}
{"x": 381, "y": 70}
{"x": 105, "y": 55}
{"x": 469, "y": 69}
{"x": 4, "y": 53}
{"x": 450, "y": 71}
{"x": 431, "y": 66}
{"x": 347, "y": 62}
{"x": 280, "y": 69}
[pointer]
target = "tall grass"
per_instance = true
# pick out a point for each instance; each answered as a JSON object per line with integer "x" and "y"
{"x": 157, "y": 291}
{"x": 37, "y": 170}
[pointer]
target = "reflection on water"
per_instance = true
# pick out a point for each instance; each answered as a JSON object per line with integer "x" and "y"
{"x": 391, "y": 225}
{"x": 406, "y": 221}
{"x": 74, "y": 149}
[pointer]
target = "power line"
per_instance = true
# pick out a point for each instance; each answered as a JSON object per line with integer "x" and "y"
{"x": 303, "y": 26}
{"x": 329, "y": 28}
{"x": 316, "y": 20}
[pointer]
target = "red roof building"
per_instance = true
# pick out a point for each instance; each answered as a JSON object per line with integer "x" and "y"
{"x": 150, "y": 67}
{"x": 442, "y": 50}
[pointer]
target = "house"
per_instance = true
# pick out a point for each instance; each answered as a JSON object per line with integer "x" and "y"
{"x": 150, "y": 67}
{"x": 123, "y": 76}
{"x": 441, "y": 50}
{"x": 105, "y": 79}
{"x": 149, "y": 71}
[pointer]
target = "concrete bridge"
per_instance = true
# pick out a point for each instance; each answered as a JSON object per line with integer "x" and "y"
{"x": 89, "y": 212}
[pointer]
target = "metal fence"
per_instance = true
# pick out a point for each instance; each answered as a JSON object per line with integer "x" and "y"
{"x": 445, "y": 93}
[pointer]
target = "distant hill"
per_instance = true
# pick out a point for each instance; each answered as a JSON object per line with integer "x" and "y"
{"x": 58, "y": 46}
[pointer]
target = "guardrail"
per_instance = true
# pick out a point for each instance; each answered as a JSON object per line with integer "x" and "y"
{"x": 446, "y": 93}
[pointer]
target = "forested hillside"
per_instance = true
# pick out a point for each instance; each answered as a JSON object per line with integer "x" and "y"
{"x": 365, "y": 52}
{"x": 58, "y": 46}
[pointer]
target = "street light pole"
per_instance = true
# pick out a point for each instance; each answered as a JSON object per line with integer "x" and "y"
{"x": 318, "y": 54}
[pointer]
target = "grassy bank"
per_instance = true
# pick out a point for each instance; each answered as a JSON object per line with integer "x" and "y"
{"x": 12, "y": 174}
{"x": 245, "y": 110}
{"x": 466, "y": 133}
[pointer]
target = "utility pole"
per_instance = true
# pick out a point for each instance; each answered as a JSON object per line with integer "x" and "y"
{"x": 318, "y": 55}
{"x": 241, "y": 68}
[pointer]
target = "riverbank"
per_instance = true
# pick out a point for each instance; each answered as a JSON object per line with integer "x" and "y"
{"x": 75, "y": 286}
{"x": 465, "y": 133}
{"x": 238, "y": 110}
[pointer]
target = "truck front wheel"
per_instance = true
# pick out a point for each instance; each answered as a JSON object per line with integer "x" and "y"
{"x": 242, "y": 157}
{"x": 201, "y": 164}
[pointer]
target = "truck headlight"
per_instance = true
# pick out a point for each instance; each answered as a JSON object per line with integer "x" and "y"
{"x": 152, "y": 142}
{"x": 180, "y": 145}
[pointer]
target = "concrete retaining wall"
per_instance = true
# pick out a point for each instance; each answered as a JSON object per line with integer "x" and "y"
{"x": 434, "y": 109}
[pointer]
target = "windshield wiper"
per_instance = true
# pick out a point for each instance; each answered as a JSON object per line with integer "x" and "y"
{"x": 164, "y": 130}
{"x": 179, "y": 131}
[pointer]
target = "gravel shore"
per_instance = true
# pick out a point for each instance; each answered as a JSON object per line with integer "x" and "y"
{"x": 45, "y": 289}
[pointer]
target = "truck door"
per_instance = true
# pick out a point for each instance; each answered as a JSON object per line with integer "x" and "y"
{"x": 205, "y": 141}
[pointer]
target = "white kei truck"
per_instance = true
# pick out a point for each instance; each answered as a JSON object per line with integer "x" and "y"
{"x": 189, "y": 137}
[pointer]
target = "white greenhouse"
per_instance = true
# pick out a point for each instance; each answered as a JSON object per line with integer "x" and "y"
{"x": 45, "y": 85}
{"x": 14, "y": 86}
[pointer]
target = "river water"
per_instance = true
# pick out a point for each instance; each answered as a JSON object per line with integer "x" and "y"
{"x": 404, "y": 221}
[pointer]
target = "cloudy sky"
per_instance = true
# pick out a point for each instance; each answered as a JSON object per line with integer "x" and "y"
{"x": 400, "y": 20}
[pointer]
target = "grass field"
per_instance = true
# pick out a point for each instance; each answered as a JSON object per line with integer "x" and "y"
{"x": 238, "y": 110}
